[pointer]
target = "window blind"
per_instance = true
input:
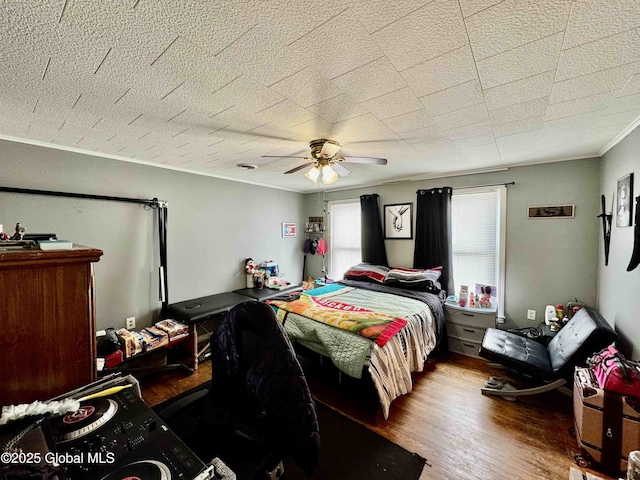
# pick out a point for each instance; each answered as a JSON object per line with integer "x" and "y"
{"x": 344, "y": 245}
{"x": 475, "y": 222}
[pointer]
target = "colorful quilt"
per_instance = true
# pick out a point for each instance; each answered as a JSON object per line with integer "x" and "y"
{"x": 325, "y": 306}
{"x": 389, "y": 366}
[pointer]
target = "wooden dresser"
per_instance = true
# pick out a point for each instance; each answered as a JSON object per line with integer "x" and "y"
{"x": 47, "y": 322}
{"x": 466, "y": 327}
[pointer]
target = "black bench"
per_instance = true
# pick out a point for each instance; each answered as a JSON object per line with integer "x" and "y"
{"x": 199, "y": 310}
{"x": 203, "y": 308}
{"x": 210, "y": 309}
{"x": 264, "y": 294}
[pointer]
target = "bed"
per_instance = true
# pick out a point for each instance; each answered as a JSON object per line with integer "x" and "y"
{"x": 363, "y": 324}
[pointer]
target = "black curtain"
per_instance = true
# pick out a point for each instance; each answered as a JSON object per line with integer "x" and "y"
{"x": 433, "y": 234}
{"x": 373, "y": 249}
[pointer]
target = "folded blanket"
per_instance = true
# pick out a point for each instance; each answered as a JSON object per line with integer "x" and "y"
{"x": 435, "y": 303}
{"x": 330, "y": 288}
{"x": 376, "y": 326}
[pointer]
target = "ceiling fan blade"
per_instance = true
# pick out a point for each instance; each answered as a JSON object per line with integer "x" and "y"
{"x": 369, "y": 142}
{"x": 370, "y": 160}
{"x": 299, "y": 167}
{"x": 279, "y": 156}
{"x": 341, "y": 169}
{"x": 329, "y": 149}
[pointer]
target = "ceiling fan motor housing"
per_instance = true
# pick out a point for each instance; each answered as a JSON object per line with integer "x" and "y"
{"x": 317, "y": 145}
{"x": 323, "y": 158}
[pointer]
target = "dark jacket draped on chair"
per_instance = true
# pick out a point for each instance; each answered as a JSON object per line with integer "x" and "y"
{"x": 256, "y": 376}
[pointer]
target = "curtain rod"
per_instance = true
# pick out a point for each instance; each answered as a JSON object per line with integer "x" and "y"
{"x": 470, "y": 186}
{"x": 153, "y": 203}
{"x": 160, "y": 205}
{"x": 486, "y": 185}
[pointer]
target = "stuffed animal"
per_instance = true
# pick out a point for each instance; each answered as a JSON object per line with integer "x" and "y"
{"x": 250, "y": 267}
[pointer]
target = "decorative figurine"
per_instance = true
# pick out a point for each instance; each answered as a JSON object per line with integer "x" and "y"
{"x": 462, "y": 299}
{"x": 20, "y": 231}
{"x": 485, "y": 298}
{"x": 250, "y": 267}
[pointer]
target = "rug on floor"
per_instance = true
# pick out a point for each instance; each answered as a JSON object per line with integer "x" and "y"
{"x": 348, "y": 449}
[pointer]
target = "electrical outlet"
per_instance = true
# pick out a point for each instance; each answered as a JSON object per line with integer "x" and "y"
{"x": 531, "y": 314}
{"x": 131, "y": 323}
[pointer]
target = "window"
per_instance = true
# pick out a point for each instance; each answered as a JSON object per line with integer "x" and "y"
{"x": 478, "y": 234}
{"x": 344, "y": 237}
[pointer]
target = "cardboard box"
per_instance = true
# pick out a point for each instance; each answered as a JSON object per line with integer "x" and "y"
{"x": 178, "y": 338}
{"x": 607, "y": 424}
{"x": 131, "y": 342}
{"x": 154, "y": 338}
{"x": 172, "y": 327}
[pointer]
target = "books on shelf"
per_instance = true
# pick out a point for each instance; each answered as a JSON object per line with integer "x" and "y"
{"x": 55, "y": 244}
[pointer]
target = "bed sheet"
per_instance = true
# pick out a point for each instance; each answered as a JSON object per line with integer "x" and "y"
{"x": 390, "y": 366}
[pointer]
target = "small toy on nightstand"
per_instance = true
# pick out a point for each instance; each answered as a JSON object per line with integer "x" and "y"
{"x": 485, "y": 297}
{"x": 462, "y": 298}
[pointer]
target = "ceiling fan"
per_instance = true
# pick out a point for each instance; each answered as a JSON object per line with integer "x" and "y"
{"x": 324, "y": 160}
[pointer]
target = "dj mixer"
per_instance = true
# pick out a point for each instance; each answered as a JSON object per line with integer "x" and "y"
{"x": 120, "y": 437}
{"x": 114, "y": 435}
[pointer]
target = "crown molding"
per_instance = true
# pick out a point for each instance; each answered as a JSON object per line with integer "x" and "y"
{"x": 620, "y": 136}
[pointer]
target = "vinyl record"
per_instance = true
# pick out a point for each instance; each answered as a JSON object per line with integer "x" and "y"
{"x": 91, "y": 415}
{"x": 143, "y": 470}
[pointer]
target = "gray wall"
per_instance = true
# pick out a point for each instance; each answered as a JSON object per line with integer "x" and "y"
{"x": 618, "y": 290}
{"x": 548, "y": 261}
{"x": 213, "y": 226}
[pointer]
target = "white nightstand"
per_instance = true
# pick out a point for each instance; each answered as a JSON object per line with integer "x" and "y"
{"x": 466, "y": 327}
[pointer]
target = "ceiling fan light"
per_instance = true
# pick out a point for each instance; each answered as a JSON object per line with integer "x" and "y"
{"x": 329, "y": 175}
{"x": 313, "y": 174}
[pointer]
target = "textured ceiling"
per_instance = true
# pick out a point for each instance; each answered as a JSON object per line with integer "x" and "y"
{"x": 433, "y": 86}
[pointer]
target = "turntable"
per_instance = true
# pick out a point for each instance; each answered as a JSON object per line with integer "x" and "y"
{"x": 91, "y": 416}
{"x": 145, "y": 469}
{"x": 120, "y": 437}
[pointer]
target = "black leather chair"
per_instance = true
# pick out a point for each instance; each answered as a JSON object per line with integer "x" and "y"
{"x": 258, "y": 408}
{"x": 552, "y": 365}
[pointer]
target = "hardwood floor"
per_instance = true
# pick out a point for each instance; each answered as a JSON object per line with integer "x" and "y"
{"x": 462, "y": 433}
